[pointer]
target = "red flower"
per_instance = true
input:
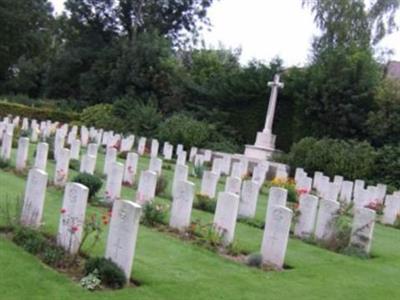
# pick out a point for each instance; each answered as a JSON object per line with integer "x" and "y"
{"x": 63, "y": 210}
{"x": 105, "y": 222}
{"x": 74, "y": 229}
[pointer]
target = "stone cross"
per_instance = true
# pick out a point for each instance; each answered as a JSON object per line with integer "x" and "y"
{"x": 122, "y": 234}
{"x": 275, "y": 85}
{"x": 72, "y": 218}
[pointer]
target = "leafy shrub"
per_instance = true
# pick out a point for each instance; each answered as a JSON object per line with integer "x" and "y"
{"x": 40, "y": 114}
{"x": 387, "y": 167}
{"x": 162, "y": 184}
{"x": 154, "y": 214}
{"x": 91, "y": 281}
{"x": 350, "y": 159}
{"x": 74, "y": 164}
{"x": 108, "y": 272}
{"x": 93, "y": 182}
{"x": 254, "y": 260}
{"x": 205, "y": 203}
{"x": 139, "y": 117}
{"x": 198, "y": 171}
{"x": 289, "y": 185}
{"x": 29, "y": 239}
{"x": 100, "y": 116}
{"x": 4, "y": 163}
{"x": 53, "y": 255}
{"x": 183, "y": 129}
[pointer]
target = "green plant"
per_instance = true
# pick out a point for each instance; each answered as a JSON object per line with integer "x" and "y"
{"x": 93, "y": 182}
{"x": 53, "y": 255}
{"x": 254, "y": 260}
{"x": 74, "y": 164}
{"x": 4, "y": 163}
{"x": 91, "y": 281}
{"x": 100, "y": 116}
{"x": 205, "y": 203}
{"x": 29, "y": 239}
{"x": 154, "y": 214}
{"x": 198, "y": 171}
{"x": 10, "y": 211}
{"x": 108, "y": 272}
{"x": 161, "y": 186}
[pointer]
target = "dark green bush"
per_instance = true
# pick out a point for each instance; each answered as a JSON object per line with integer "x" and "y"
{"x": 74, "y": 164}
{"x": 387, "y": 167}
{"x": 53, "y": 255}
{"x": 161, "y": 186}
{"x": 100, "y": 116}
{"x": 154, "y": 214}
{"x": 93, "y": 182}
{"x": 29, "y": 239}
{"x": 184, "y": 129}
{"x": 350, "y": 159}
{"x": 204, "y": 203}
{"x": 109, "y": 273}
{"x": 4, "y": 163}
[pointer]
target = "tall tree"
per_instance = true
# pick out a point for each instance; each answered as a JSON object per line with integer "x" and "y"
{"x": 25, "y": 30}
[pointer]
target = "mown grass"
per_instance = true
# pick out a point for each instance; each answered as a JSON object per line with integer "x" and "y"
{"x": 169, "y": 268}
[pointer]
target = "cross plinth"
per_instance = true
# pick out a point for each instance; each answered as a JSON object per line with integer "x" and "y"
{"x": 264, "y": 146}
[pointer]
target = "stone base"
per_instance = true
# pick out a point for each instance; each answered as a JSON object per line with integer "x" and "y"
{"x": 261, "y": 153}
{"x": 265, "y": 140}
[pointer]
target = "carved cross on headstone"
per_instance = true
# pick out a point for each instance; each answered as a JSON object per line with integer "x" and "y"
{"x": 275, "y": 85}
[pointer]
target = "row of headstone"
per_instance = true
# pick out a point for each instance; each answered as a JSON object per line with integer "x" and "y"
{"x": 124, "y": 224}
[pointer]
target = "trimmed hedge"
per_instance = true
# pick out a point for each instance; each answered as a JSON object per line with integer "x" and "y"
{"x": 40, "y": 114}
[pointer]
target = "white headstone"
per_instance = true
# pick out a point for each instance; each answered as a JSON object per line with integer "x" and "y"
{"x": 114, "y": 182}
{"x": 142, "y": 145}
{"x": 192, "y": 154}
{"x": 92, "y": 149}
{"x": 276, "y": 236}
{"x": 233, "y": 185}
{"x": 147, "y": 187}
{"x": 327, "y": 213}
{"x": 75, "y": 149}
{"x": 308, "y": 205}
{"x": 209, "y": 184}
{"x": 277, "y": 197}
{"x": 180, "y": 174}
{"x": 42, "y": 151}
{"x": 122, "y": 235}
{"x": 154, "y": 148}
{"x": 62, "y": 168}
{"x": 391, "y": 210}
{"x": 259, "y": 173}
{"x": 248, "y": 199}
{"x": 182, "y": 204}
{"x": 88, "y": 164}
{"x": 35, "y": 193}
{"x": 358, "y": 186}
{"x": 111, "y": 157}
{"x": 217, "y": 166}
{"x": 6, "y": 146}
{"x": 346, "y": 192}
{"x": 130, "y": 170}
{"x": 181, "y": 158}
{"x": 155, "y": 165}
{"x": 72, "y": 218}
{"x": 22, "y": 153}
{"x": 363, "y": 229}
{"x": 225, "y": 216}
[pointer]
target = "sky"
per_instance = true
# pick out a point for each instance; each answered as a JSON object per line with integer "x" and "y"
{"x": 265, "y": 29}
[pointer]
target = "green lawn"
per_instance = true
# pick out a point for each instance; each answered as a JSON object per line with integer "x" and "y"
{"x": 169, "y": 268}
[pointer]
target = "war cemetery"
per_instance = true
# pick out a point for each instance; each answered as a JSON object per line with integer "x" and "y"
{"x": 132, "y": 167}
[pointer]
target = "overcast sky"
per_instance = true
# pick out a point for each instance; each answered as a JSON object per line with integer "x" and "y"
{"x": 264, "y": 29}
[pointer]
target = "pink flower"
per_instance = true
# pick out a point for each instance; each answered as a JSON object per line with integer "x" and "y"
{"x": 74, "y": 229}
